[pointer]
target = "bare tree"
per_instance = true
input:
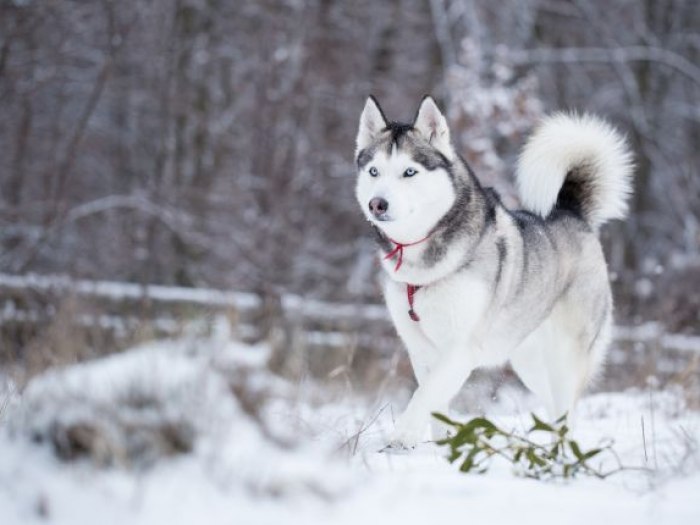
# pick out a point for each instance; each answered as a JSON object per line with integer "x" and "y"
{"x": 202, "y": 142}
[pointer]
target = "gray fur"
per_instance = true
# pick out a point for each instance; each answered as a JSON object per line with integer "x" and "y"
{"x": 473, "y": 209}
{"x": 542, "y": 249}
{"x": 520, "y": 286}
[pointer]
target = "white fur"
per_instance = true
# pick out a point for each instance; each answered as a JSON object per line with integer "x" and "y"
{"x": 551, "y": 364}
{"x": 468, "y": 321}
{"x": 416, "y": 203}
{"x": 456, "y": 335}
{"x": 443, "y": 347}
{"x": 564, "y": 141}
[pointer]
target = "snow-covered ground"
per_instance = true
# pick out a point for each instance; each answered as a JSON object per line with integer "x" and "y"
{"x": 198, "y": 431}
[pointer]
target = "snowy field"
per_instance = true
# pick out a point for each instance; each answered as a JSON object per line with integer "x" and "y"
{"x": 199, "y": 431}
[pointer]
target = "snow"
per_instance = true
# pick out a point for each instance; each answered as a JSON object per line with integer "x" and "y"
{"x": 323, "y": 312}
{"x": 120, "y": 290}
{"x": 310, "y": 453}
{"x": 652, "y": 331}
{"x": 115, "y": 290}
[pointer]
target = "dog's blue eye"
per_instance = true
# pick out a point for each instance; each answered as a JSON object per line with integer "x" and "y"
{"x": 410, "y": 172}
{"x": 373, "y": 171}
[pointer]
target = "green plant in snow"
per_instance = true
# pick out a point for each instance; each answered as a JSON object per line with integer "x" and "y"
{"x": 545, "y": 451}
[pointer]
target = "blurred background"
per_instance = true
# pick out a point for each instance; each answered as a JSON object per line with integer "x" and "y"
{"x": 206, "y": 147}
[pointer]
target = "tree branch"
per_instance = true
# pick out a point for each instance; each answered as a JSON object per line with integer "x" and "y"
{"x": 573, "y": 55}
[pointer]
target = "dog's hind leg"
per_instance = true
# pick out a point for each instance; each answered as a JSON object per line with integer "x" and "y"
{"x": 529, "y": 363}
{"x": 567, "y": 366}
{"x": 558, "y": 359}
{"x": 582, "y": 328}
{"x": 553, "y": 372}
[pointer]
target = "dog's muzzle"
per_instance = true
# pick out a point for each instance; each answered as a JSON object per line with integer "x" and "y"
{"x": 379, "y": 206}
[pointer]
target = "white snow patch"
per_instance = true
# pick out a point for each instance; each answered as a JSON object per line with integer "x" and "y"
{"x": 331, "y": 472}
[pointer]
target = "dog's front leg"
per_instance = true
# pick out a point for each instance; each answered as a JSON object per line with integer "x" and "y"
{"x": 440, "y": 386}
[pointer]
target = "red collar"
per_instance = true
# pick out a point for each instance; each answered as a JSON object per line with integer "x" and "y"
{"x": 411, "y": 289}
{"x": 399, "y": 250}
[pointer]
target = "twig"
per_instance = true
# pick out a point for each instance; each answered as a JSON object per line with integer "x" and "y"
{"x": 658, "y": 55}
{"x": 355, "y": 438}
{"x": 644, "y": 442}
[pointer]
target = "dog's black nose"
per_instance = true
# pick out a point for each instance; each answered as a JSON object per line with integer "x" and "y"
{"x": 378, "y": 206}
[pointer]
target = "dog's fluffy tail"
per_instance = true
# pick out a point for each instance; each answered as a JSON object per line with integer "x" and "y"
{"x": 576, "y": 163}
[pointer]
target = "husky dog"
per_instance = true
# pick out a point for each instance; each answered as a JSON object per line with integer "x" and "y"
{"x": 469, "y": 283}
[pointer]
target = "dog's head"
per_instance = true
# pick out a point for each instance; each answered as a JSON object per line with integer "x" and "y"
{"x": 405, "y": 184}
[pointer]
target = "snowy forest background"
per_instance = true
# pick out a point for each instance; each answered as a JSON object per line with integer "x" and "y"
{"x": 207, "y": 143}
{"x": 189, "y": 314}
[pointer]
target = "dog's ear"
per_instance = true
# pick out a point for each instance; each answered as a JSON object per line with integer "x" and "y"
{"x": 372, "y": 122}
{"x": 432, "y": 124}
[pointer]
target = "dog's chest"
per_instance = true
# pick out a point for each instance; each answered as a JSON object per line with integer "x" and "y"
{"x": 445, "y": 311}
